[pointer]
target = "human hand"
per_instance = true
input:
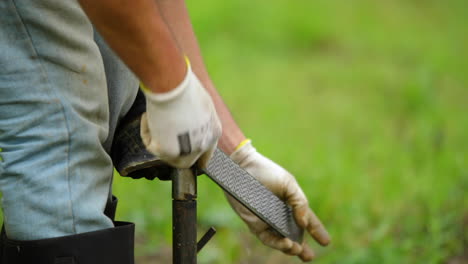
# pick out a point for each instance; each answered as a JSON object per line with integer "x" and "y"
{"x": 181, "y": 126}
{"x": 285, "y": 186}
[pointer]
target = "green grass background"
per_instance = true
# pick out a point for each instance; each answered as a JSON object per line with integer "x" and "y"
{"x": 365, "y": 102}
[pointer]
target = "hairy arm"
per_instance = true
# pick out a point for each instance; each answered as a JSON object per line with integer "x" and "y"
{"x": 137, "y": 32}
{"x": 175, "y": 14}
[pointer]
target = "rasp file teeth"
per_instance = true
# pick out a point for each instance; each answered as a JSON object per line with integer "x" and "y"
{"x": 253, "y": 195}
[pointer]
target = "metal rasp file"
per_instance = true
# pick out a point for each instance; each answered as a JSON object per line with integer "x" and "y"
{"x": 252, "y": 194}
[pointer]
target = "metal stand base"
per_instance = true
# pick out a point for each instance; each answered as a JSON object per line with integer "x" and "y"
{"x": 184, "y": 217}
{"x": 184, "y": 237}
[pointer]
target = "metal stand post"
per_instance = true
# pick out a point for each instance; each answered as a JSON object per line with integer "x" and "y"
{"x": 184, "y": 217}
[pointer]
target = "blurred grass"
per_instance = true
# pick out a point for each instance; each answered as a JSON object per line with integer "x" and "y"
{"x": 365, "y": 102}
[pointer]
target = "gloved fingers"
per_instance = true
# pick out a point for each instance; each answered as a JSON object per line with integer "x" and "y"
{"x": 317, "y": 230}
{"x": 307, "y": 219}
{"x": 307, "y": 253}
{"x": 283, "y": 244}
{"x": 255, "y": 224}
{"x": 205, "y": 157}
{"x": 177, "y": 161}
{"x": 144, "y": 130}
{"x": 261, "y": 229}
{"x": 287, "y": 246}
{"x": 304, "y": 216}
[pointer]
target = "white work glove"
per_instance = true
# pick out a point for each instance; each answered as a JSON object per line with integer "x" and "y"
{"x": 285, "y": 186}
{"x": 181, "y": 126}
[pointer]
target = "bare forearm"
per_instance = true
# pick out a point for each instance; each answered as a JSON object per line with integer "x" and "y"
{"x": 174, "y": 12}
{"x": 138, "y": 34}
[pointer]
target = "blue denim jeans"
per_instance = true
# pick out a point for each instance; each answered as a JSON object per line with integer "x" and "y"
{"x": 62, "y": 91}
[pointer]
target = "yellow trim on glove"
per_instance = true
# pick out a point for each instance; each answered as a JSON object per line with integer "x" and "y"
{"x": 243, "y": 142}
{"x": 187, "y": 61}
{"x": 144, "y": 88}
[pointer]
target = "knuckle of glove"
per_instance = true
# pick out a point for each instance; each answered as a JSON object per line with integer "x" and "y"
{"x": 182, "y": 162}
{"x": 144, "y": 130}
{"x": 171, "y": 154}
{"x": 284, "y": 245}
{"x": 166, "y": 151}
